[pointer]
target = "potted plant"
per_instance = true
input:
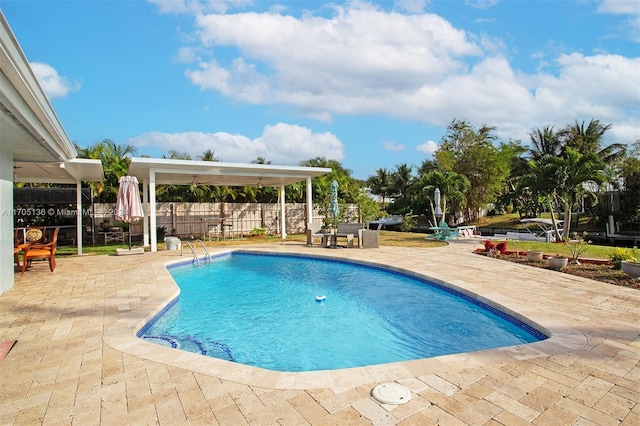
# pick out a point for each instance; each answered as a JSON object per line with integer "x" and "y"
{"x": 631, "y": 267}
{"x": 618, "y": 256}
{"x": 558, "y": 261}
{"x": 534, "y": 255}
{"x": 577, "y": 246}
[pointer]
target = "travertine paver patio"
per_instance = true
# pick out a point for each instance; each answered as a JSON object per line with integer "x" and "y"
{"x": 77, "y": 360}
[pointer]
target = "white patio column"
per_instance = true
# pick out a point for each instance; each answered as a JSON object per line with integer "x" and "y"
{"x": 6, "y": 219}
{"x": 79, "y": 216}
{"x": 309, "y": 202}
{"x": 145, "y": 208}
{"x": 152, "y": 210}
{"x": 283, "y": 219}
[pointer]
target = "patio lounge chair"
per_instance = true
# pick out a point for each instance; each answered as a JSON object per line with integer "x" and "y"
{"x": 443, "y": 232}
{"x": 41, "y": 251}
{"x": 350, "y": 231}
{"x": 315, "y": 230}
{"x": 369, "y": 238}
{"x": 447, "y": 233}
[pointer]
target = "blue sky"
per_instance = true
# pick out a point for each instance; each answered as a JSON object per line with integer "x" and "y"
{"x": 371, "y": 84}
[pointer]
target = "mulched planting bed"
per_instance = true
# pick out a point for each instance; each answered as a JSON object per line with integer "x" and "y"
{"x": 600, "y": 271}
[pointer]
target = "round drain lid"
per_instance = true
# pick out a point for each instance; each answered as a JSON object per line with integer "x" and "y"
{"x": 391, "y": 393}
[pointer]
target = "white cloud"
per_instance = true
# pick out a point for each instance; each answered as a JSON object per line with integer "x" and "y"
{"x": 282, "y": 144}
{"x": 418, "y": 67}
{"x": 622, "y": 7}
{"x": 393, "y": 146}
{"x": 429, "y": 147}
{"x": 481, "y": 4}
{"x": 412, "y": 6}
{"x": 199, "y": 6}
{"x": 53, "y": 84}
{"x": 354, "y": 62}
{"x": 630, "y": 8}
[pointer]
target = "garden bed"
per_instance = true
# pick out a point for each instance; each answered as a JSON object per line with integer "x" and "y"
{"x": 594, "y": 269}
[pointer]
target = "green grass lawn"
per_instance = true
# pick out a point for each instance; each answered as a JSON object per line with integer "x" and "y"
{"x": 387, "y": 238}
{"x": 513, "y": 221}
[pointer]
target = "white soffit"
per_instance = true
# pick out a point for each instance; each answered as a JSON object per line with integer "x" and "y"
{"x": 78, "y": 169}
{"x": 186, "y": 172}
{"x": 29, "y": 127}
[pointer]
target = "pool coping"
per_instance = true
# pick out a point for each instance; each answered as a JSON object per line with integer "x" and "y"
{"x": 122, "y": 336}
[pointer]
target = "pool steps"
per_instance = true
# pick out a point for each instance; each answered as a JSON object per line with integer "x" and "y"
{"x": 196, "y": 259}
{"x": 204, "y": 347}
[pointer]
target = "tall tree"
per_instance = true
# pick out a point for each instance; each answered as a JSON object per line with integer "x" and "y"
{"x": 452, "y": 187}
{"x": 472, "y": 153}
{"x": 629, "y": 216}
{"x": 173, "y": 154}
{"x": 348, "y": 188}
{"x": 401, "y": 179}
{"x": 208, "y": 155}
{"x": 115, "y": 164}
{"x": 545, "y": 142}
{"x": 380, "y": 184}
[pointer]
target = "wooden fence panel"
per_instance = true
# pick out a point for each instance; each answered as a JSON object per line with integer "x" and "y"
{"x": 187, "y": 220}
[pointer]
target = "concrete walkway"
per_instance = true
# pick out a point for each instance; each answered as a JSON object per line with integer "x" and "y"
{"x": 77, "y": 360}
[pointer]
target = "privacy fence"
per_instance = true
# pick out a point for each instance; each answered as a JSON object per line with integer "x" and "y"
{"x": 197, "y": 220}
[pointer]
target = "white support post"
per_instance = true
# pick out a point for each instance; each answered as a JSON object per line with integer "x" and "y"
{"x": 309, "y": 203}
{"x": 145, "y": 208}
{"x": 79, "y": 216}
{"x": 283, "y": 219}
{"x": 152, "y": 210}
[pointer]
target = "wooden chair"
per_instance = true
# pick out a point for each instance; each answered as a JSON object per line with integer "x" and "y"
{"x": 36, "y": 235}
{"x": 41, "y": 251}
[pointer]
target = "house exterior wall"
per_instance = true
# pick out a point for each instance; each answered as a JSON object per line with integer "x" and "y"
{"x": 6, "y": 220}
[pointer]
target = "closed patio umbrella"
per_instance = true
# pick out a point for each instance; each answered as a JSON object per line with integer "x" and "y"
{"x": 128, "y": 204}
{"x": 334, "y": 209}
{"x": 436, "y": 200}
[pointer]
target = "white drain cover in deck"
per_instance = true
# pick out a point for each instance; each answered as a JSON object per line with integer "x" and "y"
{"x": 391, "y": 393}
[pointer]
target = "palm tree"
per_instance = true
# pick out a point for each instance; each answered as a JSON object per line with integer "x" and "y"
{"x": 380, "y": 184}
{"x": 177, "y": 155}
{"x": 115, "y": 164}
{"x": 545, "y": 142}
{"x": 561, "y": 179}
{"x": 208, "y": 155}
{"x": 260, "y": 160}
{"x": 401, "y": 181}
{"x": 452, "y": 186}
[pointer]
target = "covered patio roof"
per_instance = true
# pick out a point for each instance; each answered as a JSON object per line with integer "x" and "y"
{"x": 69, "y": 172}
{"x": 153, "y": 171}
{"x": 187, "y": 172}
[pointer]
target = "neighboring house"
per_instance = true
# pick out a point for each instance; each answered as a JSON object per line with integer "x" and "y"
{"x": 34, "y": 146}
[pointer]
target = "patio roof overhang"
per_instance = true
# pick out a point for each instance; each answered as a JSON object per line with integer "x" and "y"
{"x": 187, "y": 172}
{"x": 34, "y": 146}
{"x": 154, "y": 171}
{"x": 29, "y": 127}
{"x": 68, "y": 172}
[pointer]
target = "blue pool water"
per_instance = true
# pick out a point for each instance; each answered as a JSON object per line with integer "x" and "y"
{"x": 261, "y": 310}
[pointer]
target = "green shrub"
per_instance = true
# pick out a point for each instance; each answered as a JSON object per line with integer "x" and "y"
{"x": 258, "y": 232}
{"x": 619, "y": 255}
{"x": 408, "y": 222}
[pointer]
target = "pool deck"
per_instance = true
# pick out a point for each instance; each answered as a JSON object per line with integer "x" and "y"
{"x": 77, "y": 360}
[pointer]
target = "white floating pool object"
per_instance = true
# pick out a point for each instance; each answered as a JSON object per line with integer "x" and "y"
{"x": 391, "y": 393}
{"x": 320, "y": 298}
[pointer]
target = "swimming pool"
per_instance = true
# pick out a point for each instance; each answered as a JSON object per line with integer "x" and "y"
{"x": 261, "y": 310}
